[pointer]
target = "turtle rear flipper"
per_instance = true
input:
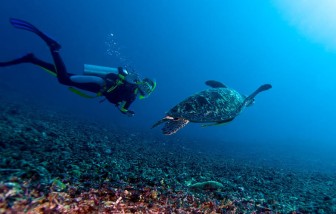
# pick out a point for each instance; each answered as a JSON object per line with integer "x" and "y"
{"x": 172, "y": 126}
{"x": 250, "y": 99}
{"x": 219, "y": 123}
{"x": 260, "y": 89}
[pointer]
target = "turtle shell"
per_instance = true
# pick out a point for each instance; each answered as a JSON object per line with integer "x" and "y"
{"x": 212, "y": 105}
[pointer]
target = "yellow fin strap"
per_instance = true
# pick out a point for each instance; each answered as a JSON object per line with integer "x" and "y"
{"x": 49, "y": 71}
{"x": 83, "y": 94}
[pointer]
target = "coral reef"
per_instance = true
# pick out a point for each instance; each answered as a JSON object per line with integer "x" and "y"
{"x": 57, "y": 163}
{"x": 207, "y": 185}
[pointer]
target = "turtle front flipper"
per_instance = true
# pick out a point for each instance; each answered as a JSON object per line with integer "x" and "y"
{"x": 172, "y": 126}
{"x": 215, "y": 84}
{"x": 163, "y": 120}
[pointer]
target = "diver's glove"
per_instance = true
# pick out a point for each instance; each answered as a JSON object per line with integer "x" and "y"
{"x": 130, "y": 113}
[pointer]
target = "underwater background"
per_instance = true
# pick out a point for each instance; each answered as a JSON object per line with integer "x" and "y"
{"x": 243, "y": 44}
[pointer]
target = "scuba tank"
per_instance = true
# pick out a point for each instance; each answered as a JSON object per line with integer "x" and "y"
{"x": 100, "y": 71}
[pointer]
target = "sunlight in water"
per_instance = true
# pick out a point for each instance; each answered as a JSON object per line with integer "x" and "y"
{"x": 314, "y": 18}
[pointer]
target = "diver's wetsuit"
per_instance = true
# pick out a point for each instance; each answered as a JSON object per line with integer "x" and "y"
{"x": 115, "y": 89}
{"x": 124, "y": 93}
{"x": 127, "y": 92}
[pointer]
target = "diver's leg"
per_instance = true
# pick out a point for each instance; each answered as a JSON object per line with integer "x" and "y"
{"x": 45, "y": 65}
{"x": 24, "y": 59}
{"x": 53, "y": 45}
{"x": 89, "y": 83}
{"x": 62, "y": 74}
{"x": 30, "y": 58}
{"x": 59, "y": 68}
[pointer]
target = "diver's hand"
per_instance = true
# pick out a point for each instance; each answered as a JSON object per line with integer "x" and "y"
{"x": 130, "y": 113}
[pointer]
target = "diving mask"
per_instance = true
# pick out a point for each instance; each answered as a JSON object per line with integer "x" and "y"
{"x": 146, "y": 87}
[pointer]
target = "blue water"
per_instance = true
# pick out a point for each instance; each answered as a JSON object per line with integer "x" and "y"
{"x": 182, "y": 44}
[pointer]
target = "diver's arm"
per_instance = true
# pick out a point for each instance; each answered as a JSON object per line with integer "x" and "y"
{"x": 123, "y": 108}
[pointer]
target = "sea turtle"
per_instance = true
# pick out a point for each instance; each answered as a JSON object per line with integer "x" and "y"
{"x": 214, "y": 106}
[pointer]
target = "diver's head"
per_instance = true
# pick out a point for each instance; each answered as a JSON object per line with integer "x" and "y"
{"x": 146, "y": 87}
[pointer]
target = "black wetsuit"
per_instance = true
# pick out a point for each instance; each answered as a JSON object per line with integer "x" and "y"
{"x": 124, "y": 93}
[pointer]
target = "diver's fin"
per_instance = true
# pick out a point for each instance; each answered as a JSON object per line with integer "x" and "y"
{"x": 30, "y": 58}
{"x": 215, "y": 84}
{"x": 172, "y": 125}
{"x": 218, "y": 123}
{"x": 24, "y": 59}
{"x": 20, "y": 24}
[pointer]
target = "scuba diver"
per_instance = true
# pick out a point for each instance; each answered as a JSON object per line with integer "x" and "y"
{"x": 117, "y": 85}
